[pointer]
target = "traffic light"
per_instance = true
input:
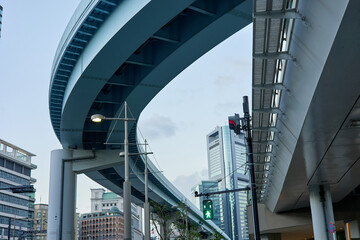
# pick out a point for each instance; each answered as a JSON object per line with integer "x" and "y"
{"x": 208, "y": 209}
{"x": 234, "y": 123}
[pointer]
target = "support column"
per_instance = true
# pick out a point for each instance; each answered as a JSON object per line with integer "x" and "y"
{"x": 69, "y": 202}
{"x": 62, "y": 192}
{"x": 322, "y": 212}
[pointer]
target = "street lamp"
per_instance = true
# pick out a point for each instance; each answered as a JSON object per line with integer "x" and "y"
{"x": 97, "y": 118}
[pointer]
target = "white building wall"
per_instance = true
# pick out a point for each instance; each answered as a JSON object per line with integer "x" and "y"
{"x": 96, "y": 199}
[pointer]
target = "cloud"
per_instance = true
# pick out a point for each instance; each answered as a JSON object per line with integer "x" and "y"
{"x": 239, "y": 63}
{"x": 158, "y": 126}
{"x": 223, "y": 81}
{"x": 184, "y": 183}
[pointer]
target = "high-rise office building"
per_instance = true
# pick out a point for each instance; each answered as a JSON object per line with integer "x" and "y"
{"x": 226, "y": 165}
{"x": 40, "y": 221}
{"x": 102, "y": 201}
{"x": 16, "y": 209}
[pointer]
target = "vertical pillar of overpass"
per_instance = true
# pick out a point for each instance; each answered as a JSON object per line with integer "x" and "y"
{"x": 62, "y": 196}
{"x": 322, "y": 213}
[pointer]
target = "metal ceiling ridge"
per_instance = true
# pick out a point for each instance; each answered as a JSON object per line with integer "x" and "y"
{"x": 269, "y": 26}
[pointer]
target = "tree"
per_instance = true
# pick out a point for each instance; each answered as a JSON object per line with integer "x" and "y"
{"x": 217, "y": 236}
{"x": 185, "y": 228}
{"x": 163, "y": 215}
{"x": 181, "y": 226}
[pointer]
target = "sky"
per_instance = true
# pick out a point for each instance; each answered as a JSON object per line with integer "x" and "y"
{"x": 192, "y": 105}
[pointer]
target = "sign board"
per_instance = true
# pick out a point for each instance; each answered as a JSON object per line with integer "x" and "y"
{"x": 331, "y": 227}
{"x": 332, "y": 230}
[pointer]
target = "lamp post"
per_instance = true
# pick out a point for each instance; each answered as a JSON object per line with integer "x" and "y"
{"x": 97, "y": 118}
{"x": 146, "y": 204}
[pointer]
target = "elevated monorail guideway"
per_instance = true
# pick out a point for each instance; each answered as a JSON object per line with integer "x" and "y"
{"x": 114, "y": 51}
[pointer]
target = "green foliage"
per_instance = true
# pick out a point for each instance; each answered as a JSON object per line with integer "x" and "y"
{"x": 217, "y": 236}
{"x": 163, "y": 215}
{"x": 185, "y": 228}
{"x": 178, "y": 222}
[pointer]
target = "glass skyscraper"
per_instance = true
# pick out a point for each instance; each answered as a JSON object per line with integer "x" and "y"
{"x": 226, "y": 165}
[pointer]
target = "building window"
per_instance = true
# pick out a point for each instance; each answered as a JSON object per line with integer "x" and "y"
{"x": 9, "y": 165}
{"x": 27, "y": 171}
{"x": 96, "y": 207}
{"x": 18, "y": 168}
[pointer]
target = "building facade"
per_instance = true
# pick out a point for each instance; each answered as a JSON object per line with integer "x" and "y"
{"x": 102, "y": 201}
{"x": 16, "y": 209}
{"x": 40, "y": 221}
{"x": 102, "y": 225}
{"x": 227, "y": 166}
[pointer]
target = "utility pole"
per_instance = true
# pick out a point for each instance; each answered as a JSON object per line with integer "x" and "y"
{"x": 245, "y": 125}
{"x": 146, "y": 204}
{"x": 127, "y": 184}
{"x": 97, "y": 118}
{"x": 248, "y": 139}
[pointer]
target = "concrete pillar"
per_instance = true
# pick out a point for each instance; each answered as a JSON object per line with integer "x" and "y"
{"x": 352, "y": 230}
{"x": 322, "y": 213}
{"x": 69, "y": 202}
{"x": 62, "y": 193}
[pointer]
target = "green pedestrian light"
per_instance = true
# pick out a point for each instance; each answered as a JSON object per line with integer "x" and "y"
{"x": 207, "y": 209}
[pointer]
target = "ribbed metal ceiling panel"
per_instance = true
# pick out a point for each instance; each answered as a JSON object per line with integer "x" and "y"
{"x": 269, "y": 36}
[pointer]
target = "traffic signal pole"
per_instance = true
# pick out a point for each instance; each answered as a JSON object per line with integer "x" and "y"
{"x": 249, "y": 150}
{"x": 237, "y": 124}
{"x": 221, "y": 192}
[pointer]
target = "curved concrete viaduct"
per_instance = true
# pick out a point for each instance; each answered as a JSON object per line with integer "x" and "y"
{"x": 117, "y": 51}
{"x": 305, "y": 93}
